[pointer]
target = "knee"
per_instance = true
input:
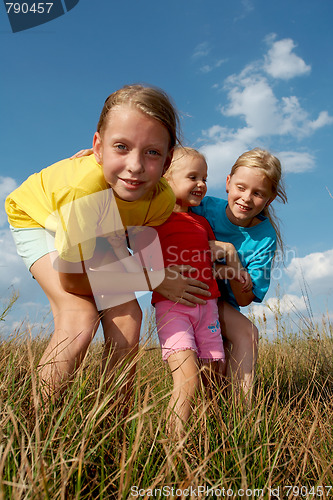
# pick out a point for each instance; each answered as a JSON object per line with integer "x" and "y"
{"x": 134, "y": 310}
{"x": 130, "y": 311}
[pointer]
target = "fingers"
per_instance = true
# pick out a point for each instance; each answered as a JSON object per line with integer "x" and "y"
{"x": 82, "y": 152}
{"x": 191, "y": 300}
{"x": 190, "y": 282}
{"x": 247, "y": 288}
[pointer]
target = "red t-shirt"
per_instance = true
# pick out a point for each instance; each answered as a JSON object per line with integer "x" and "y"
{"x": 184, "y": 240}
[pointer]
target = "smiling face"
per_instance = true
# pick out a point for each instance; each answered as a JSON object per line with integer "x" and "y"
{"x": 188, "y": 181}
{"x": 249, "y": 192}
{"x": 133, "y": 150}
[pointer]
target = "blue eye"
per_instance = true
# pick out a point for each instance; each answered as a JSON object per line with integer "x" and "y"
{"x": 121, "y": 147}
{"x": 153, "y": 152}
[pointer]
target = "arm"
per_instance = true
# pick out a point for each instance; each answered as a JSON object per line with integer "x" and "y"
{"x": 241, "y": 284}
{"x": 239, "y": 279}
{"x": 168, "y": 282}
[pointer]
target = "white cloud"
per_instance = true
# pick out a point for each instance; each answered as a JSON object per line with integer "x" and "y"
{"x": 248, "y": 7}
{"x": 207, "y": 68}
{"x": 296, "y": 162}
{"x": 11, "y": 264}
{"x": 282, "y": 62}
{"x": 201, "y": 50}
{"x": 252, "y": 98}
{"x": 7, "y": 184}
{"x": 322, "y": 120}
{"x": 314, "y": 270}
{"x": 220, "y": 158}
{"x": 14, "y": 276}
{"x": 289, "y": 303}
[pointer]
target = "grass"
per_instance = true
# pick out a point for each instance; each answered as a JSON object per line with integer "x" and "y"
{"x": 85, "y": 448}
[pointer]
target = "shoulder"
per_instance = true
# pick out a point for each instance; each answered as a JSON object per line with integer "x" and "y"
{"x": 84, "y": 173}
{"x": 211, "y": 203}
{"x": 161, "y": 204}
{"x": 199, "y": 219}
{"x": 264, "y": 229}
{"x": 162, "y": 189}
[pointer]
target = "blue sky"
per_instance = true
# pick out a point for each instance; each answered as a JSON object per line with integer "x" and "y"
{"x": 242, "y": 74}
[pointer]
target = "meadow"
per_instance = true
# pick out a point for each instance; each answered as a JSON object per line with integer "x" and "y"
{"x": 280, "y": 446}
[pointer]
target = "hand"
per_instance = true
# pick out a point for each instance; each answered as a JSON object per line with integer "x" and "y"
{"x": 118, "y": 243}
{"x": 245, "y": 278}
{"x": 179, "y": 288}
{"x": 223, "y": 250}
{"x": 81, "y": 153}
{"x": 224, "y": 272}
{"x": 118, "y": 239}
{"x": 239, "y": 280}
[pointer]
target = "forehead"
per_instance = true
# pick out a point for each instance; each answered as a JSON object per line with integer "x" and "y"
{"x": 127, "y": 118}
{"x": 252, "y": 176}
{"x": 186, "y": 164}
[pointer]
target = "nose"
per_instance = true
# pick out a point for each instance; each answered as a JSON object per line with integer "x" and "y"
{"x": 201, "y": 183}
{"x": 246, "y": 195}
{"x": 135, "y": 163}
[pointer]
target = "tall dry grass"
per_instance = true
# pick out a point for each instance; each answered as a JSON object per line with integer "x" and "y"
{"x": 86, "y": 448}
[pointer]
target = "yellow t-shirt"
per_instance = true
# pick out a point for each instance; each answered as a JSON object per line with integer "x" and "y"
{"x": 72, "y": 199}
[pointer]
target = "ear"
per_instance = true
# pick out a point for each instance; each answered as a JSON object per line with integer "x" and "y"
{"x": 167, "y": 162}
{"x": 227, "y": 184}
{"x": 97, "y": 147}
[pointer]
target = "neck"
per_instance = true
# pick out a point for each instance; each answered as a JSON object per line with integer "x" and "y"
{"x": 180, "y": 208}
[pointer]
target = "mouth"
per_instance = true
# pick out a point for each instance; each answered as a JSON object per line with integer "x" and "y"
{"x": 243, "y": 208}
{"x": 199, "y": 194}
{"x": 131, "y": 183}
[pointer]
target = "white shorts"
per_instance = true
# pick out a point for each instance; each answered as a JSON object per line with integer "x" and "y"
{"x": 32, "y": 243}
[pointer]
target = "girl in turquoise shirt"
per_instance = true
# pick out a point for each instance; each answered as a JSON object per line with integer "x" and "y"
{"x": 246, "y": 220}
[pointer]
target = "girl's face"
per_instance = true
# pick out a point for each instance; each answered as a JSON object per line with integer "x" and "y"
{"x": 188, "y": 182}
{"x": 249, "y": 192}
{"x": 133, "y": 151}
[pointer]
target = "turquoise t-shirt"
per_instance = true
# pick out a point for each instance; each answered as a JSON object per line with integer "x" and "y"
{"x": 255, "y": 245}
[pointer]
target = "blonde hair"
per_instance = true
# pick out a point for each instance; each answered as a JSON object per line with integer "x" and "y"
{"x": 271, "y": 167}
{"x": 152, "y": 101}
{"x": 179, "y": 153}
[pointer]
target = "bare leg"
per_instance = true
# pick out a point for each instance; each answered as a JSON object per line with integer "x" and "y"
{"x": 211, "y": 376}
{"x": 242, "y": 357}
{"x": 121, "y": 326}
{"x": 185, "y": 374}
{"x": 75, "y": 323}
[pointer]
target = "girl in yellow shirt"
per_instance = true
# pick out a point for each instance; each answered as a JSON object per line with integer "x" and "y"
{"x": 59, "y": 215}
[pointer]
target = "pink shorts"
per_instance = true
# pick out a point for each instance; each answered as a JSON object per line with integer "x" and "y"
{"x": 197, "y": 328}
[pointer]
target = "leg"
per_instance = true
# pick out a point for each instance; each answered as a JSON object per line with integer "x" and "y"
{"x": 242, "y": 357}
{"x": 212, "y": 376}
{"x": 185, "y": 375}
{"x": 121, "y": 326}
{"x": 75, "y": 323}
{"x": 176, "y": 334}
{"x": 210, "y": 347}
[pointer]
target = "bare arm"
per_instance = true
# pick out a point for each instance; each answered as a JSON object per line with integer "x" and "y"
{"x": 241, "y": 284}
{"x": 170, "y": 283}
{"x": 239, "y": 279}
